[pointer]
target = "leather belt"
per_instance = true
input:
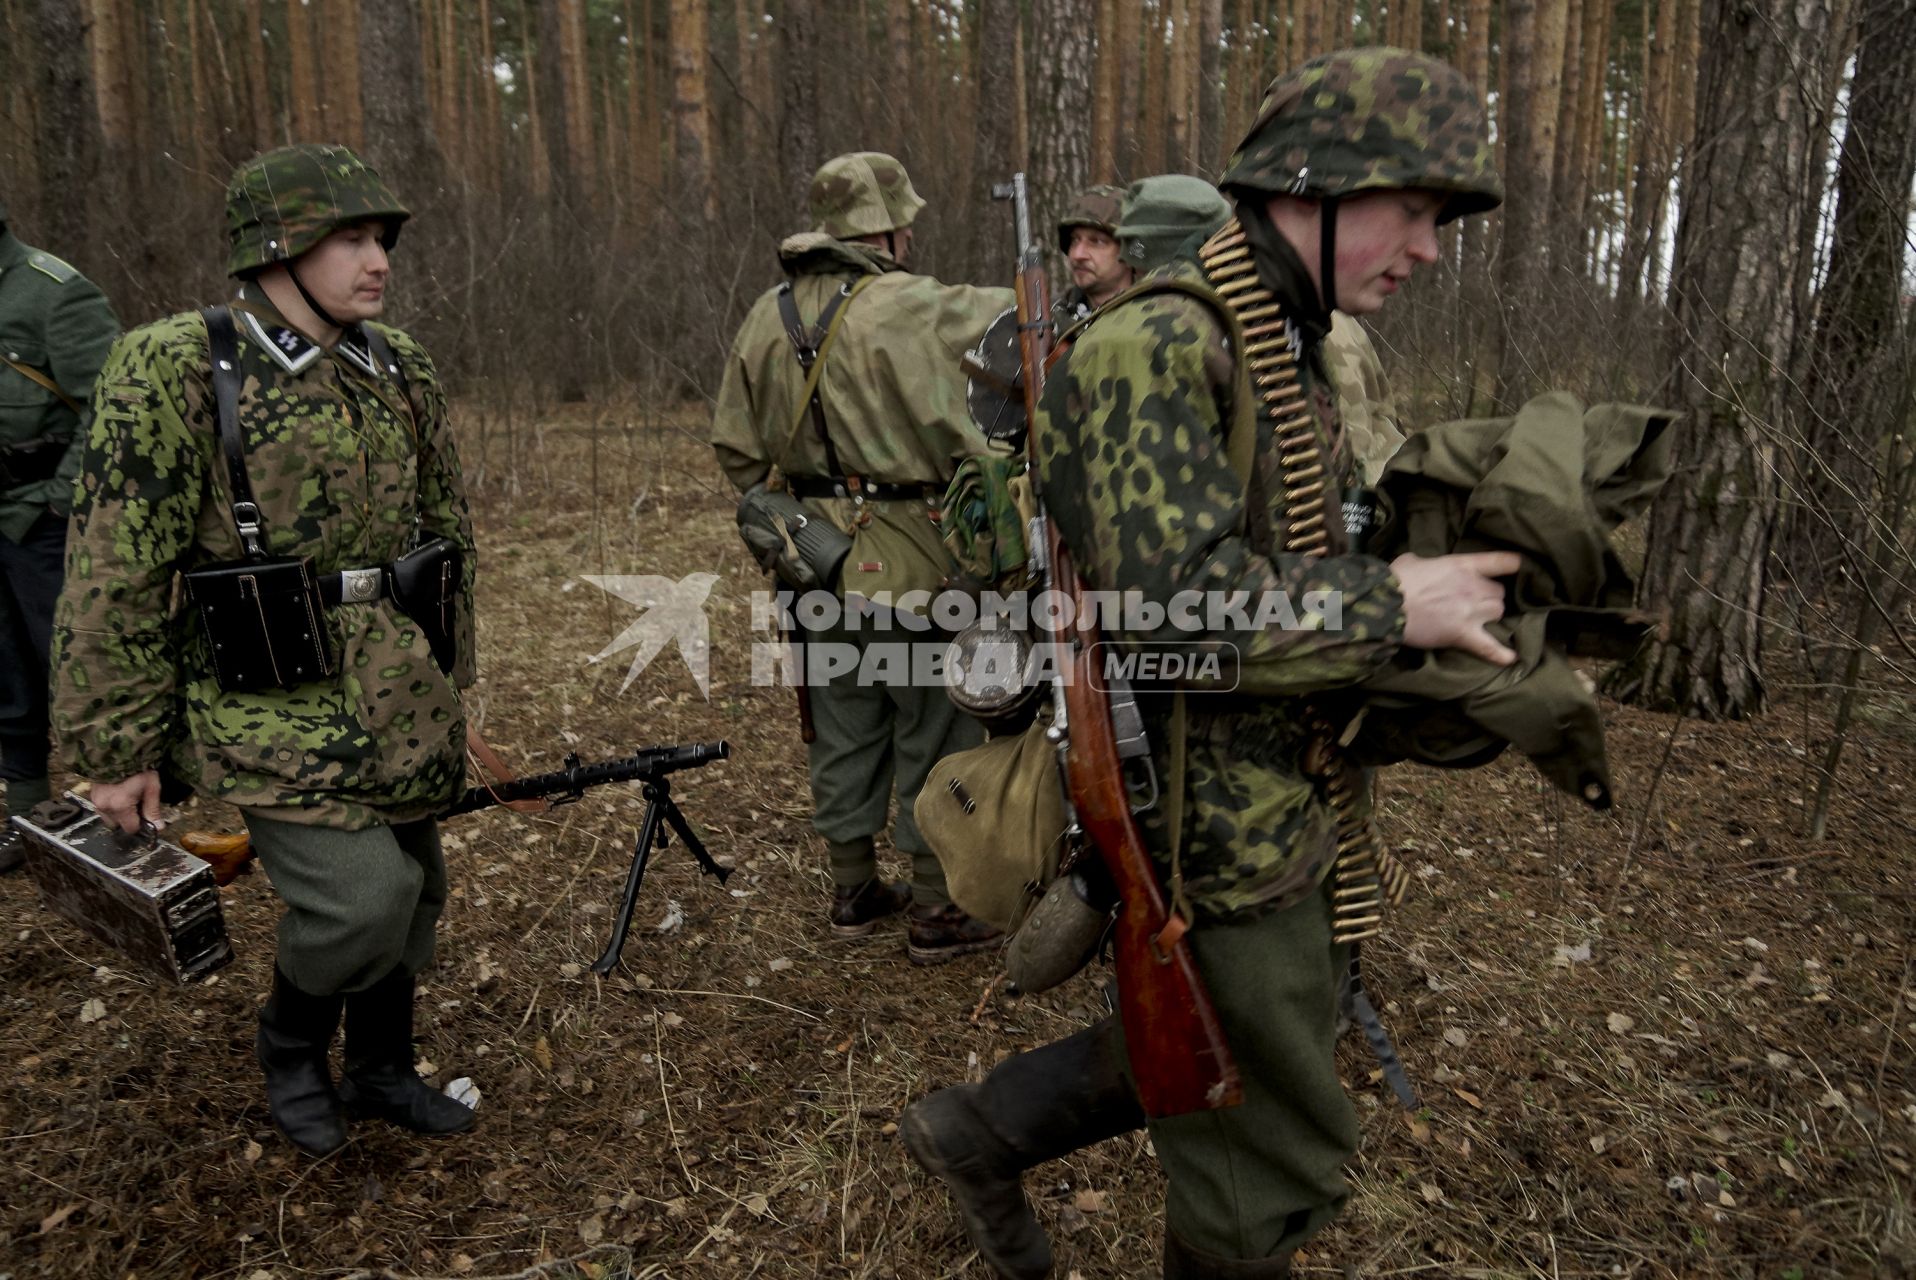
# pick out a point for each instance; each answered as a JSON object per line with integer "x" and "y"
{"x": 858, "y": 486}
{"x": 354, "y": 586}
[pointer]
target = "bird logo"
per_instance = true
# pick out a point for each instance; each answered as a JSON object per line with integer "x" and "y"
{"x": 673, "y": 611}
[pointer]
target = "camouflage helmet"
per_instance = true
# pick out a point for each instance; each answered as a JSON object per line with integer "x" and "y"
{"x": 1095, "y": 207}
{"x": 863, "y": 193}
{"x": 1371, "y": 119}
{"x": 281, "y": 204}
{"x": 1163, "y": 214}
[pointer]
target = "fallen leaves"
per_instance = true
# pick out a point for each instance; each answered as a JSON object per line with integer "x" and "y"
{"x": 93, "y": 1011}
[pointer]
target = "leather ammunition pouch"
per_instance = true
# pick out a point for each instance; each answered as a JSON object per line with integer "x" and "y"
{"x": 425, "y": 584}
{"x": 263, "y": 616}
{"x": 264, "y": 622}
{"x": 30, "y": 461}
{"x": 995, "y": 817}
{"x": 804, "y": 550}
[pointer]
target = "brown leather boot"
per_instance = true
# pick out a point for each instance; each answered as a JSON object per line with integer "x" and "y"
{"x": 935, "y": 935}
{"x": 1187, "y": 1262}
{"x": 857, "y": 909}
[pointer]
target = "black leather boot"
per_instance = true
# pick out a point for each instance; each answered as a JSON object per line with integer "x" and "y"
{"x": 295, "y": 1031}
{"x": 1036, "y": 1106}
{"x": 1184, "y": 1262}
{"x": 380, "y": 1080}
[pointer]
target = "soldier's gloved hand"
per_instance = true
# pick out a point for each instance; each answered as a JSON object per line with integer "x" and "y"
{"x": 130, "y": 801}
{"x": 1448, "y": 599}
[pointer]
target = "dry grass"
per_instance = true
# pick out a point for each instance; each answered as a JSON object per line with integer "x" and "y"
{"x": 1722, "y": 1087}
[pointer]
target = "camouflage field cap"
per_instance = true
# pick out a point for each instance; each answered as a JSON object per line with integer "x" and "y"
{"x": 281, "y": 204}
{"x": 1370, "y": 119}
{"x": 1095, "y": 207}
{"x": 863, "y": 193}
{"x": 1164, "y": 213}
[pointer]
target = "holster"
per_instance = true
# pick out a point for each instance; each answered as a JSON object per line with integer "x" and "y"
{"x": 263, "y": 622}
{"x": 30, "y": 461}
{"x": 425, "y": 586}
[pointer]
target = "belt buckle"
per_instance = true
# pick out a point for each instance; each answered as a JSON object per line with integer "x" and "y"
{"x": 360, "y": 586}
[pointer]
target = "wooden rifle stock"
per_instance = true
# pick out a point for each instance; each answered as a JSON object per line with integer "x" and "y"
{"x": 1179, "y": 1058}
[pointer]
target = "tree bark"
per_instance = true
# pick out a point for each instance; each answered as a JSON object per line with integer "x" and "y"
{"x": 1130, "y": 41}
{"x": 1733, "y": 283}
{"x": 1856, "y": 377}
{"x": 691, "y": 110}
{"x": 1210, "y": 85}
{"x": 401, "y": 134}
{"x": 1063, "y": 31}
{"x": 306, "y": 115}
{"x": 1534, "y": 32}
{"x": 67, "y": 149}
{"x": 798, "y": 148}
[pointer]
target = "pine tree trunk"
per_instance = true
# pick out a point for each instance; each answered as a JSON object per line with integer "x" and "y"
{"x": 1129, "y": 154}
{"x": 1534, "y": 33}
{"x": 1156, "y": 90}
{"x": 1061, "y": 93}
{"x": 67, "y": 148}
{"x": 1734, "y": 323}
{"x": 1104, "y": 95}
{"x": 306, "y": 115}
{"x": 345, "y": 122}
{"x": 1210, "y": 86}
{"x": 401, "y": 135}
{"x": 1856, "y": 376}
{"x": 798, "y": 148}
{"x": 691, "y": 110}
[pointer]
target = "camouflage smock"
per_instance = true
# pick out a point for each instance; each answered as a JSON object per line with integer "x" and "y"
{"x": 340, "y": 465}
{"x": 1366, "y": 410}
{"x": 892, "y": 390}
{"x": 55, "y": 322}
{"x": 1131, "y": 432}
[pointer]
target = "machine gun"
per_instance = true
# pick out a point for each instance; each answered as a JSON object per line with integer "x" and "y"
{"x": 154, "y": 901}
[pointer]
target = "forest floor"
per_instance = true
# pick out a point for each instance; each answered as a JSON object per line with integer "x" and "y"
{"x": 1671, "y": 1040}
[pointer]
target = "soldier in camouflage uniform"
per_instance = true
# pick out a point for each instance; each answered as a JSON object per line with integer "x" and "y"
{"x": 1088, "y": 239}
{"x": 350, "y": 460}
{"x": 895, "y": 425}
{"x": 55, "y": 330}
{"x": 1351, "y": 166}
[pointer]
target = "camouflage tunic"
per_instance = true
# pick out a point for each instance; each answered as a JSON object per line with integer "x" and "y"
{"x": 340, "y": 466}
{"x": 1131, "y": 432}
{"x": 1366, "y": 410}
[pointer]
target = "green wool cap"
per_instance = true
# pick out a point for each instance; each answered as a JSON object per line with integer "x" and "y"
{"x": 1368, "y": 120}
{"x": 1165, "y": 213}
{"x": 863, "y": 193}
{"x": 281, "y": 204}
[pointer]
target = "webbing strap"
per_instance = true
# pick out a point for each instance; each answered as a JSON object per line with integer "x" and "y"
{"x": 32, "y": 374}
{"x": 811, "y": 346}
{"x": 222, "y": 344}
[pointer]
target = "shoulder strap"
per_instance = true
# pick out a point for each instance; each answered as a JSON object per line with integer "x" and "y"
{"x": 222, "y": 344}
{"x": 386, "y": 358}
{"x": 811, "y": 345}
{"x": 32, "y": 374}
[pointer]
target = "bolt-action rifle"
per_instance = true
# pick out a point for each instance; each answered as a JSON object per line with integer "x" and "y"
{"x": 651, "y": 767}
{"x": 1178, "y": 1054}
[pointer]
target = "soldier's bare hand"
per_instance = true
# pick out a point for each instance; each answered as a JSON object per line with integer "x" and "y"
{"x": 1449, "y": 599}
{"x": 130, "y": 801}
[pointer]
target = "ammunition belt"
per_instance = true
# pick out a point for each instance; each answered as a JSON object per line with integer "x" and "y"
{"x": 859, "y": 487}
{"x": 1364, "y": 874}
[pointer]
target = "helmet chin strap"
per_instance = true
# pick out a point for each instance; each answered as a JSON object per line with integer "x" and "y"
{"x": 293, "y": 270}
{"x": 1327, "y": 252}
